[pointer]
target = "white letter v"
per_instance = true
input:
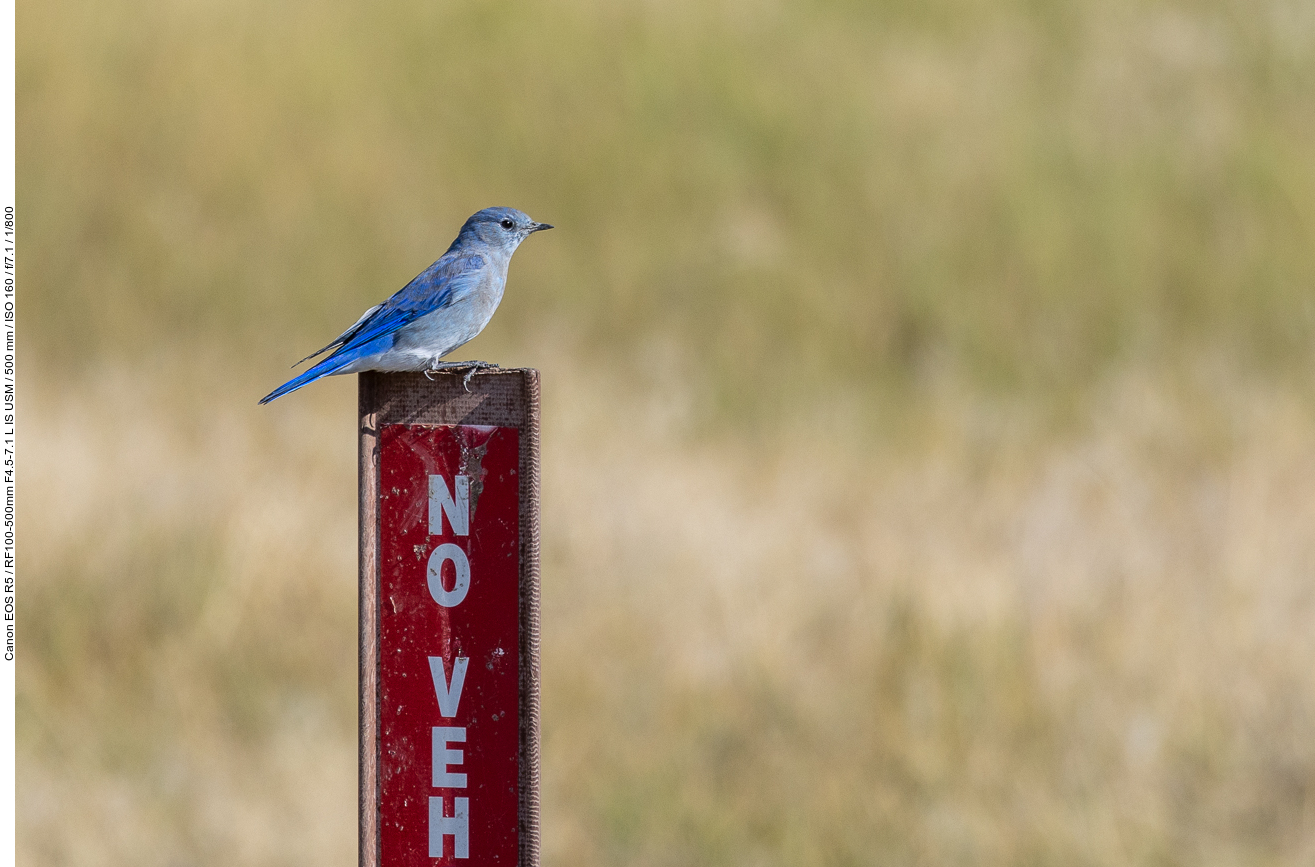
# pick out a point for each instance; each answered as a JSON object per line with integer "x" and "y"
{"x": 448, "y": 697}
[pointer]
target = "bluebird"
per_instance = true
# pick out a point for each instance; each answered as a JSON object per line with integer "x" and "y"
{"x": 444, "y": 307}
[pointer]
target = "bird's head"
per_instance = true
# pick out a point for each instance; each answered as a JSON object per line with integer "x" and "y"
{"x": 501, "y": 228}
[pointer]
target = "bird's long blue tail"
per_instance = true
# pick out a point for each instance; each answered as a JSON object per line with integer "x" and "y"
{"x": 329, "y": 366}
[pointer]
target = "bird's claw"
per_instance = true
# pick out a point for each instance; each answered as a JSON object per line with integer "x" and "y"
{"x": 471, "y": 368}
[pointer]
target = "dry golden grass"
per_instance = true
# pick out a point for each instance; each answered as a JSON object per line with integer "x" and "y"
{"x": 997, "y": 645}
{"x": 929, "y": 431}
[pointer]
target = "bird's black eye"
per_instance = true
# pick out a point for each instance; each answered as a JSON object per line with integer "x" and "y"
{"x": 508, "y": 224}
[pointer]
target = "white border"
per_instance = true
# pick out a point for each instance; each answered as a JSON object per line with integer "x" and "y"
{"x": 8, "y": 797}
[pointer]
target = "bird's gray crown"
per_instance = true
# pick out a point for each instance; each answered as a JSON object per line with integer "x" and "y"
{"x": 498, "y": 227}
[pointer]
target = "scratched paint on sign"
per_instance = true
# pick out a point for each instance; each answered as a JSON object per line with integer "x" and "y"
{"x": 449, "y": 669}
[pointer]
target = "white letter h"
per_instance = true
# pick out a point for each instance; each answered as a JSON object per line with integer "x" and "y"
{"x": 457, "y": 825}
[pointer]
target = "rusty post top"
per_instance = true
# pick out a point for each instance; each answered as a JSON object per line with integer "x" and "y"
{"x": 504, "y": 397}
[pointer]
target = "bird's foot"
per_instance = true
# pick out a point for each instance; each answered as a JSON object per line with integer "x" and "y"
{"x": 471, "y": 368}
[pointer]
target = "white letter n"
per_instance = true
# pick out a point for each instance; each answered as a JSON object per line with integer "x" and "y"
{"x": 441, "y": 502}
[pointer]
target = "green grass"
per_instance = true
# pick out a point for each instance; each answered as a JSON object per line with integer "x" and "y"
{"x": 1027, "y": 194}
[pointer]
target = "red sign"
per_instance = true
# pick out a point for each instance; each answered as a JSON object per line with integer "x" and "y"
{"x": 449, "y": 614}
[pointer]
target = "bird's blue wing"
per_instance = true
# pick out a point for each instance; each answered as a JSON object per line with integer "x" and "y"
{"x": 435, "y": 288}
{"x": 341, "y": 338}
{"x": 438, "y": 286}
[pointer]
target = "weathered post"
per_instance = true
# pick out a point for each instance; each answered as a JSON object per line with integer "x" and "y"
{"x": 449, "y": 619}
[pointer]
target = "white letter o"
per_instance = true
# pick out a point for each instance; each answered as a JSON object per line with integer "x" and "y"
{"x": 443, "y": 553}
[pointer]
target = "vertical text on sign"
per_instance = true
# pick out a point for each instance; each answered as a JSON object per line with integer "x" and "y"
{"x": 449, "y": 646}
{"x": 448, "y": 693}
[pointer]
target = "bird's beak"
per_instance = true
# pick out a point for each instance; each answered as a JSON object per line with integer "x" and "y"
{"x": 539, "y": 227}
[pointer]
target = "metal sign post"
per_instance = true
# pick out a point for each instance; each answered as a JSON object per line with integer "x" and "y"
{"x": 449, "y": 619}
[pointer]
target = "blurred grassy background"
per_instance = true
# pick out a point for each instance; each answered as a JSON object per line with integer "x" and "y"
{"x": 929, "y": 426}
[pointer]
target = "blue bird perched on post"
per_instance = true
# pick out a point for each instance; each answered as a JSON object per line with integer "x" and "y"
{"x": 444, "y": 307}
